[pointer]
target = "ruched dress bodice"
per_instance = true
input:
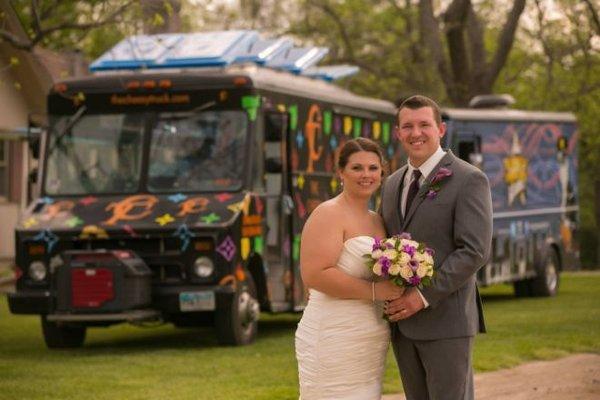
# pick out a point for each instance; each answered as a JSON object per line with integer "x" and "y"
{"x": 341, "y": 344}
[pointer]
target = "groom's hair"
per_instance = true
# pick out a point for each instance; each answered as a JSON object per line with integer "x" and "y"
{"x": 418, "y": 101}
{"x": 356, "y": 145}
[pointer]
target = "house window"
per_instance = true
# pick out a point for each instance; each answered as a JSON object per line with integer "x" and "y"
{"x": 3, "y": 169}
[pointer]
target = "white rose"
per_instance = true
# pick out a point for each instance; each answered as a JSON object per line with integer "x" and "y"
{"x": 394, "y": 269}
{"x": 422, "y": 270}
{"x": 406, "y": 272}
{"x": 390, "y": 253}
{"x": 404, "y": 259}
{"x": 377, "y": 254}
{"x": 428, "y": 259}
{"x": 377, "y": 269}
{"x": 421, "y": 257}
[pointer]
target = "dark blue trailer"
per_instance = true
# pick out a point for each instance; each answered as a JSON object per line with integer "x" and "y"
{"x": 530, "y": 159}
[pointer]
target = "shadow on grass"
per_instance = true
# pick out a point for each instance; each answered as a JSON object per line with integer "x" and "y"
{"x": 498, "y": 297}
{"x": 168, "y": 337}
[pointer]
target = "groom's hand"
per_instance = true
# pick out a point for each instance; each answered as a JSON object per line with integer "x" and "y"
{"x": 405, "y": 306}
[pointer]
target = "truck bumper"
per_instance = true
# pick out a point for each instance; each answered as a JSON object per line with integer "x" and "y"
{"x": 30, "y": 302}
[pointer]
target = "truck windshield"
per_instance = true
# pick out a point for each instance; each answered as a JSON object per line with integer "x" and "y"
{"x": 197, "y": 151}
{"x": 98, "y": 153}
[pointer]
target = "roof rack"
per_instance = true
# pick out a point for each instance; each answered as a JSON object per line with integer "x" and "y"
{"x": 218, "y": 49}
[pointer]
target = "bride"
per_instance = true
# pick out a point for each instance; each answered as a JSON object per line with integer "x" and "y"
{"x": 342, "y": 339}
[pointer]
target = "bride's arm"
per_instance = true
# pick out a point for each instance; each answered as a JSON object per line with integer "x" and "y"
{"x": 321, "y": 245}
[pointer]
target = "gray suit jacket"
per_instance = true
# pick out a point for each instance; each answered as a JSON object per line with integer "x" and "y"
{"x": 457, "y": 224}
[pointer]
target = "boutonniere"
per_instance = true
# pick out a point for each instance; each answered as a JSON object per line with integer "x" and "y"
{"x": 436, "y": 183}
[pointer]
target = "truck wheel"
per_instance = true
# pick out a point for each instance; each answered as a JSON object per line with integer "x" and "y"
{"x": 237, "y": 319}
{"x": 545, "y": 284}
{"x": 522, "y": 288}
{"x": 58, "y": 336}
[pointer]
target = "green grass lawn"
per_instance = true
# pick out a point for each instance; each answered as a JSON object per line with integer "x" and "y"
{"x": 126, "y": 362}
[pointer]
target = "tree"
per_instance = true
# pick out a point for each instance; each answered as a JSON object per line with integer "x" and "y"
{"x": 57, "y": 24}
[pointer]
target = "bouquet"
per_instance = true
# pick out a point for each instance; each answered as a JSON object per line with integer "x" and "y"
{"x": 402, "y": 260}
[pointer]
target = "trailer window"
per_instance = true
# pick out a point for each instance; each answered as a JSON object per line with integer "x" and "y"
{"x": 197, "y": 152}
{"x": 99, "y": 153}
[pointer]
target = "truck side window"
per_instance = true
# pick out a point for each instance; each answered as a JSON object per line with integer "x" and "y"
{"x": 469, "y": 149}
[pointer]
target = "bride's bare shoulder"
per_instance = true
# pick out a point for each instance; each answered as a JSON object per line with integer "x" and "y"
{"x": 328, "y": 209}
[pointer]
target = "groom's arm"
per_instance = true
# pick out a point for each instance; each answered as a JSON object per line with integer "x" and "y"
{"x": 472, "y": 238}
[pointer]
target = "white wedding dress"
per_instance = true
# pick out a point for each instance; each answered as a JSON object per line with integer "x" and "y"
{"x": 341, "y": 345}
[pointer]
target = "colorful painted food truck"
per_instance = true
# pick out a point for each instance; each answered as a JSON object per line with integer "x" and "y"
{"x": 530, "y": 159}
{"x": 178, "y": 193}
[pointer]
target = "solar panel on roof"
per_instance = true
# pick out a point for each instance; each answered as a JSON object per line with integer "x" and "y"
{"x": 263, "y": 50}
{"x": 209, "y": 48}
{"x": 331, "y": 72}
{"x": 140, "y": 51}
{"x": 217, "y": 49}
{"x": 298, "y": 58}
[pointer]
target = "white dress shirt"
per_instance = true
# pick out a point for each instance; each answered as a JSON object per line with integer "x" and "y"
{"x": 425, "y": 169}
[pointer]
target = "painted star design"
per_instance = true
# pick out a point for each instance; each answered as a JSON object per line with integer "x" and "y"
{"x": 210, "y": 218}
{"x": 334, "y": 185}
{"x": 300, "y": 181}
{"x": 47, "y": 200}
{"x": 73, "y": 222}
{"x": 47, "y": 236}
{"x": 177, "y": 198}
{"x": 223, "y": 197}
{"x": 164, "y": 219}
{"x": 236, "y": 207}
{"x": 184, "y": 235}
{"x": 30, "y": 222}
{"x": 86, "y": 201}
{"x": 300, "y": 139}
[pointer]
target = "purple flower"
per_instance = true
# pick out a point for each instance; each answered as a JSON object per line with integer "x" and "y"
{"x": 441, "y": 174}
{"x": 431, "y": 194}
{"x": 414, "y": 280}
{"x": 404, "y": 235}
{"x": 377, "y": 243}
{"x": 408, "y": 249}
{"x": 389, "y": 245}
{"x": 430, "y": 251}
{"x": 413, "y": 264}
{"x": 385, "y": 265}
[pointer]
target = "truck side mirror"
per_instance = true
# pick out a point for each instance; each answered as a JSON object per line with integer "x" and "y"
{"x": 275, "y": 126}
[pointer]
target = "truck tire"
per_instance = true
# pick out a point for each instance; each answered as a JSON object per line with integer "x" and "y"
{"x": 58, "y": 336}
{"x": 236, "y": 320}
{"x": 545, "y": 284}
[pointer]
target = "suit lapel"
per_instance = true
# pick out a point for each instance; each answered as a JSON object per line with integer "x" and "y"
{"x": 445, "y": 162}
{"x": 396, "y": 195}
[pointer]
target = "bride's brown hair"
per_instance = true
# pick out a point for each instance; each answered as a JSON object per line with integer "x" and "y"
{"x": 356, "y": 145}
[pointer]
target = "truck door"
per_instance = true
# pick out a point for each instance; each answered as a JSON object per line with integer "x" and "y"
{"x": 279, "y": 205}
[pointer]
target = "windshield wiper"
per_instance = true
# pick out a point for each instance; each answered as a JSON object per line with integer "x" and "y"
{"x": 68, "y": 126}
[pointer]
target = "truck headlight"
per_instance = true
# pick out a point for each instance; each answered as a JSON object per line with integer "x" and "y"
{"x": 203, "y": 267}
{"x": 37, "y": 271}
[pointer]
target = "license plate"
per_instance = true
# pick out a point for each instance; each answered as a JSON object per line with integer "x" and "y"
{"x": 196, "y": 301}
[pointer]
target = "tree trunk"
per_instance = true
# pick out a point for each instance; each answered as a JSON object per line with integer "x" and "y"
{"x": 597, "y": 214}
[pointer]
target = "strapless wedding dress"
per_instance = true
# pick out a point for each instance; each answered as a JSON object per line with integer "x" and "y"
{"x": 341, "y": 345}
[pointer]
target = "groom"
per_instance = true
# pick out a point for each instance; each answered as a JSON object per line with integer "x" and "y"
{"x": 445, "y": 203}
